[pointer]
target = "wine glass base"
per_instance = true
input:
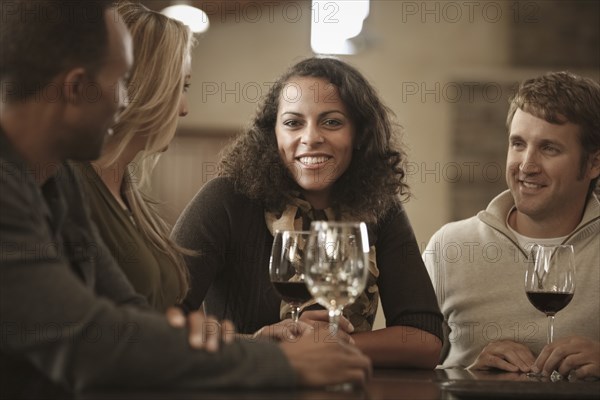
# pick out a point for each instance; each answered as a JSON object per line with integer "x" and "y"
{"x": 535, "y": 375}
{"x": 341, "y": 387}
{"x": 554, "y": 377}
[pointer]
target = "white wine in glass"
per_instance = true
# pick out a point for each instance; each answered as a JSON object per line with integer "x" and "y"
{"x": 337, "y": 265}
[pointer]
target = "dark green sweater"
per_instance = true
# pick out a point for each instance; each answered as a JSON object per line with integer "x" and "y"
{"x": 149, "y": 270}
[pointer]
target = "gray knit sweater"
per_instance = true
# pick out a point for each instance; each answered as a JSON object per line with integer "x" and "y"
{"x": 478, "y": 271}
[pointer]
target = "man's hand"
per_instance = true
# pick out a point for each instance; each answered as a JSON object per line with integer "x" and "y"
{"x": 204, "y": 332}
{"x": 321, "y": 360}
{"x": 574, "y": 356}
{"x": 505, "y": 355}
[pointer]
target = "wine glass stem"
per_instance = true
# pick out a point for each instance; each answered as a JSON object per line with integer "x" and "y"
{"x": 295, "y": 313}
{"x": 550, "y": 328}
{"x": 334, "y": 320}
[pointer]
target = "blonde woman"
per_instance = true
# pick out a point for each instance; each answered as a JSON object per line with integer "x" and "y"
{"x": 129, "y": 225}
{"x": 133, "y": 231}
{"x": 127, "y": 220}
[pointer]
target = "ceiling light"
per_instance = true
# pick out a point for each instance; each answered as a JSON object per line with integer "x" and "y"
{"x": 193, "y": 17}
{"x": 334, "y": 23}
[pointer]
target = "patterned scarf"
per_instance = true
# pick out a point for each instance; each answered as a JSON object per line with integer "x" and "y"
{"x": 298, "y": 216}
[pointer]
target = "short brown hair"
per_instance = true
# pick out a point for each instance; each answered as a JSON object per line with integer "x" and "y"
{"x": 560, "y": 97}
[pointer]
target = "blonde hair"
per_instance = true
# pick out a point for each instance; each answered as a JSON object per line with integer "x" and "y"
{"x": 161, "y": 48}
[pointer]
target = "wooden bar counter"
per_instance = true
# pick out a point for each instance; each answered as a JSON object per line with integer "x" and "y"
{"x": 395, "y": 384}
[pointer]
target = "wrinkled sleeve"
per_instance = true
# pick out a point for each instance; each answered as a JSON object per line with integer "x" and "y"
{"x": 433, "y": 262}
{"x": 204, "y": 227}
{"x": 431, "y": 258}
{"x": 51, "y": 319}
{"x": 406, "y": 292}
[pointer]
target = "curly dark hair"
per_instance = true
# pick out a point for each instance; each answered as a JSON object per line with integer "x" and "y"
{"x": 374, "y": 182}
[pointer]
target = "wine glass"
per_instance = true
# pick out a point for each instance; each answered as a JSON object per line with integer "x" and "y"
{"x": 286, "y": 269}
{"x": 550, "y": 280}
{"x": 337, "y": 265}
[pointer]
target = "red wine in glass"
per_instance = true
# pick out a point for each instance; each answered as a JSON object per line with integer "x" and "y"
{"x": 293, "y": 292}
{"x": 286, "y": 269}
{"x": 549, "y": 302}
{"x": 550, "y": 281}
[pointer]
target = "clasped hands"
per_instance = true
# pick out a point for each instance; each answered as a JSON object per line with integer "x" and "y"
{"x": 575, "y": 357}
{"x": 206, "y": 332}
{"x": 318, "y": 356}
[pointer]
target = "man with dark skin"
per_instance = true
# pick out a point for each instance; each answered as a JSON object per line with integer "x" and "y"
{"x": 70, "y": 321}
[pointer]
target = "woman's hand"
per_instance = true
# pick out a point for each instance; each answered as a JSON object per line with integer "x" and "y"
{"x": 317, "y": 321}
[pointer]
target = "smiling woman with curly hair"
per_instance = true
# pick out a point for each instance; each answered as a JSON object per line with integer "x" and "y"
{"x": 320, "y": 147}
{"x": 369, "y": 187}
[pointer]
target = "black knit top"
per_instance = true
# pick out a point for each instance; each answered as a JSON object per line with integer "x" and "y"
{"x": 231, "y": 274}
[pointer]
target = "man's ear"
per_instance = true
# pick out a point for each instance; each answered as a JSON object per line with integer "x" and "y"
{"x": 73, "y": 88}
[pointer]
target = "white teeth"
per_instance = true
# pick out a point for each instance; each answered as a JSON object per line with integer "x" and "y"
{"x": 531, "y": 185}
{"x": 313, "y": 160}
